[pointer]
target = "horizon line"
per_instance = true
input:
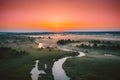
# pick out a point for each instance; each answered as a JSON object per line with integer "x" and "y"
{"x": 60, "y": 31}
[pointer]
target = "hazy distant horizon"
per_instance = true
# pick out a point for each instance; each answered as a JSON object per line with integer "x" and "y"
{"x": 60, "y": 31}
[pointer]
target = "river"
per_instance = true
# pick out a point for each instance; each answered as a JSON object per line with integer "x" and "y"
{"x": 35, "y": 72}
{"x": 57, "y": 69}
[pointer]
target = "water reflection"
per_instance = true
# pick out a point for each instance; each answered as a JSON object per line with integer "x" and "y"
{"x": 35, "y": 72}
{"x": 58, "y": 71}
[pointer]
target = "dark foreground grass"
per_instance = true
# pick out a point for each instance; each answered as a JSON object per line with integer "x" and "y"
{"x": 16, "y": 69}
{"x": 19, "y": 68}
{"x": 91, "y": 68}
{"x": 49, "y": 58}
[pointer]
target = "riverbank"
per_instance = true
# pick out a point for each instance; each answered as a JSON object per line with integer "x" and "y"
{"x": 57, "y": 69}
{"x": 19, "y": 67}
{"x": 95, "y": 66}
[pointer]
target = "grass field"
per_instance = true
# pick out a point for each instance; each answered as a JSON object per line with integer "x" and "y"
{"x": 94, "y": 66}
{"x": 18, "y": 68}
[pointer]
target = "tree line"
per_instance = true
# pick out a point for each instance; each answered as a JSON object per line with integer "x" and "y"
{"x": 63, "y": 41}
{"x": 99, "y": 42}
{"x": 7, "y": 52}
{"x": 101, "y": 46}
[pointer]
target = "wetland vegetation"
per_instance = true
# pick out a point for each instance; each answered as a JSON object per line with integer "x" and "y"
{"x": 19, "y": 51}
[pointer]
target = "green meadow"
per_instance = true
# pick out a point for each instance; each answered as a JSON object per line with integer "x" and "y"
{"x": 94, "y": 66}
{"x": 19, "y": 67}
{"x": 19, "y": 52}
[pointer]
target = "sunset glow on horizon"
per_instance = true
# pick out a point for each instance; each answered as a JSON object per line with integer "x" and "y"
{"x": 59, "y": 15}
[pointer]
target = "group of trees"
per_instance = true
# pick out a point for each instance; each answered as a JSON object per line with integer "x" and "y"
{"x": 7, "y": 52}
{"x": 63, "y": 42}
{"x": 99, "y": 42}
{"x": 101, "y": 46}
{"x": 14, "y": 39}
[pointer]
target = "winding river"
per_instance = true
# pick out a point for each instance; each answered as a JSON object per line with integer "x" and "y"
{"x": 57, "y": 69}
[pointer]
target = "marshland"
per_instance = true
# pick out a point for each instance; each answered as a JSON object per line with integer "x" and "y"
{"x": 60, "y": 56}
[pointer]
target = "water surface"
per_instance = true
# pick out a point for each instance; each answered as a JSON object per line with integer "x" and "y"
{"x": 58, "y": 71}
{"x": 35, "y": 72}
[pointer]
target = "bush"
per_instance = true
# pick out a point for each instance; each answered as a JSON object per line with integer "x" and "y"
{"x": 7, "y": 52}
{"x": 63, "y": 42}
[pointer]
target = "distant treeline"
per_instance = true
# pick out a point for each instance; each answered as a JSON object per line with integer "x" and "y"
{"x": 7, "y": 52}
{"x": 73, "y": 32}
{"x": 100, "y": 45}
{"x": 26, "y": 33}
{"x": 7, "y": 39}
{"x": 63, "y": 42}
{"x": 99, "y": 42}
{"x": 103, "y": 46}
{"x": 94, "y": 33}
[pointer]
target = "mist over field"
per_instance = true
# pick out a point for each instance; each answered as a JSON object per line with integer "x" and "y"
{"x": 60, "y": 55}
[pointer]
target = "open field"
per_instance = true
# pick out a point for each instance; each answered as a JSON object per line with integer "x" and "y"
{"x": 20, "y": 67}
{"x": 93, "y": 68}
{"x": 98, "y": 64}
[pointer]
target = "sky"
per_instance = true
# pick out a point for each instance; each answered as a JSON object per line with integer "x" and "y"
{"x": 59, "y": 15}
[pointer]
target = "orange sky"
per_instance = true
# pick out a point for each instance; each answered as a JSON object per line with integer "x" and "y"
{"x": 37, "y": 15}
